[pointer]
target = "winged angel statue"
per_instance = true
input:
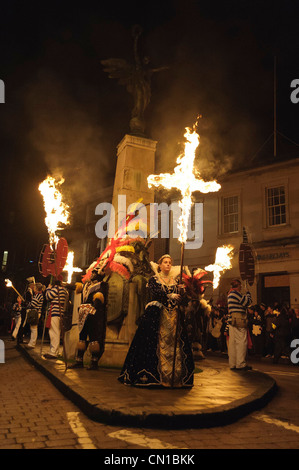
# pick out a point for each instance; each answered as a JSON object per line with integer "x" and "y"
{"x": 137, "y": 79}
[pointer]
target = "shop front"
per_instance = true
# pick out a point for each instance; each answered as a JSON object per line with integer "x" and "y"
{"x": 278, "y": 275}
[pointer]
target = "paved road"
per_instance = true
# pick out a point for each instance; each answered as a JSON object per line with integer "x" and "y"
{"x": 35, "y": 415}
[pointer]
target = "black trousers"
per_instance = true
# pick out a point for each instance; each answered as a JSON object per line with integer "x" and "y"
{"x": 280, "y": 344}
{"x": 22, "y": 328}
{"x": 95, "y": 330}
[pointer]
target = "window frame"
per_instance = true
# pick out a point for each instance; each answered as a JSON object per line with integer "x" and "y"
{"x": 222, "y": 232}
{"x": 271, "y": 186}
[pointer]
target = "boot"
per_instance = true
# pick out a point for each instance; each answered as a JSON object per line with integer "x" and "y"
{"x": 95, "y": 355}
{"x": 81, "y": 348}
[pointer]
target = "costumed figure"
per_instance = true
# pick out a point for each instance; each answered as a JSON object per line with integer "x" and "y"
{"x": 92, "y": 319}
{"x": 16, "y": 312}
{"x": 25, "y": 305}
{"x": 198, "y": 309}
{"x": 160, "y": 353}
{"x": 58, "y": 296}
{"x": 34, "y": 313}
{"x": 237, "y": 304}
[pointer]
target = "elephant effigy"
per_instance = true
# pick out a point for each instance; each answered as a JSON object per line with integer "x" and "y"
{"x": 125, "y": 260}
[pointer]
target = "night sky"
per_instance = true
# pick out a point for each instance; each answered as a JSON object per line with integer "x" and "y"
{"x": 64, "y": 116}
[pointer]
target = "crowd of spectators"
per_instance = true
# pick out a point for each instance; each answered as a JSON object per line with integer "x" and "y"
{"x": 271, "y": 329}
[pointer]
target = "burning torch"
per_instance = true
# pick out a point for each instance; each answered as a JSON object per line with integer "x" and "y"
{"x": 10, "y": 284}
{"x": 54, "y": 255}
{"x": 222, "y": 263}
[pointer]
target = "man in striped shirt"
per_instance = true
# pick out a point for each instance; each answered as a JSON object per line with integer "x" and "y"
{"x": 57, "y": 295}
{"x": 237, "y": 346}
{"x": 35, "y": 304}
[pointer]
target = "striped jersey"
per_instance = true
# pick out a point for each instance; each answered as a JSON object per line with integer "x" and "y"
{"x": 237, "y": 303}
{"x": 37, "y": 302}
{"x": 52, "y": 296}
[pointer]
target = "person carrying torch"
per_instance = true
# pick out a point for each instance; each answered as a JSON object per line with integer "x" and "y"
{"x": 25, "y": 301}
{"x": 57, "y": 295}
{"x": 35, "y": 309}
{"x": 186, "y": 180}
{"x": 16, "y": 309}
{"x": 57, "y": 215}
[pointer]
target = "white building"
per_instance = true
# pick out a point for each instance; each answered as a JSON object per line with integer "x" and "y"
{"x": 265, "y": 201}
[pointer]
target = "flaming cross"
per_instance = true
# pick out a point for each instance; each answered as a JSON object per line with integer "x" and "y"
{"x": 186, "y": 181}
{"x": 69, "y": 266}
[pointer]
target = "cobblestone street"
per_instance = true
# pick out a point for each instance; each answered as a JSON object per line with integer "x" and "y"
{"x": 35, "y": 415}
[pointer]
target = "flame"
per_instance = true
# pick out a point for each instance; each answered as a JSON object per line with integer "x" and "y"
{"x": 69, "y": 266}
{"x": 222, "y": 263}
{"x": 184, "y": 179}
{"x": 57, "y": 211}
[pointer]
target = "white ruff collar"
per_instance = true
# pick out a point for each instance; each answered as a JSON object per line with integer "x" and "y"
{"x": 174, "y": 271}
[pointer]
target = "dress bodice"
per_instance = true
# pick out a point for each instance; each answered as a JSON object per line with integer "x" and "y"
{"x": 161, "y": 292}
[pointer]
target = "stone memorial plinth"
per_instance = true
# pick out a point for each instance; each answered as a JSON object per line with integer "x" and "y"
{"x": 135, "y": 162}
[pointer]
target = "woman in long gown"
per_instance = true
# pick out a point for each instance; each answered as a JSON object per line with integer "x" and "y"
{"x": 150, "y": 359}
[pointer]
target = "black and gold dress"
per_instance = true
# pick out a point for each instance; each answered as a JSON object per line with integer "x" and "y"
{"x": 149, "y": 361}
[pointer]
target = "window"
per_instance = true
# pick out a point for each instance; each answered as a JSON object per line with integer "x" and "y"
{"x": 4, "y": 260}
{"x": 276, "y": 206}
{"x": 230, "y": 211}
